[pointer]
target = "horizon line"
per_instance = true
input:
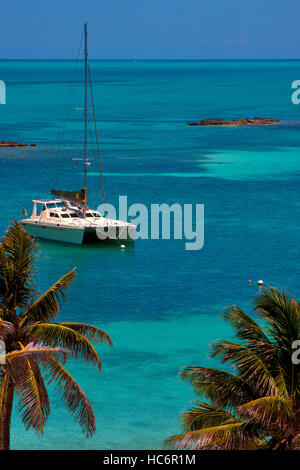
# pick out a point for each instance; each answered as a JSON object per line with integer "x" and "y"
{"x": 152, "y": 60}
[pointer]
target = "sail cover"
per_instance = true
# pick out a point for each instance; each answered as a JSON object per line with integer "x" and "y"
{"x": 73, "y": 196}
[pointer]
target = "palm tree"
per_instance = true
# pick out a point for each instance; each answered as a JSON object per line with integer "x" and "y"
{"x": 35, "y": 346}
{"x": 258, "y": 407}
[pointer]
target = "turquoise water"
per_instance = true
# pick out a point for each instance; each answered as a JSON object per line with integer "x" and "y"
{"x": 160, "y": 304}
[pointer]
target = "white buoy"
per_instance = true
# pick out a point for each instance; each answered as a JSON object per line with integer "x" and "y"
{"x": 260, "y": 282}
{"x": 123, "y": 246}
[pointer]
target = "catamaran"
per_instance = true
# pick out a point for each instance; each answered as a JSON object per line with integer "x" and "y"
{"x": 66, "y": 217}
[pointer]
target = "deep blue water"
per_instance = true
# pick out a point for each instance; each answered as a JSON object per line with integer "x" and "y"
{"x": 160, "y": 304}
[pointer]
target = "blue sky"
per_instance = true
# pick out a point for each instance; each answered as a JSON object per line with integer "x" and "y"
{"x": 151, "y": 29}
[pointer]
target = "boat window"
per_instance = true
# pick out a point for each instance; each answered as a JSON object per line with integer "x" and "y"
{"x": 65, "y": 216}
{"x": 60, "y": 204}
{"x": 89, "y": 214}
{"x": 74, "y": 214}
{"x": 96, "y": 214}
{"x": 56, "y": 215}
{"x": 50, "y": 205}
{"x": 52, "y": 214}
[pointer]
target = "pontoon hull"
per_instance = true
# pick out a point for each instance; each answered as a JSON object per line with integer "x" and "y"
{"x": 78, "y": 236}
{"x": 52, "y": 232}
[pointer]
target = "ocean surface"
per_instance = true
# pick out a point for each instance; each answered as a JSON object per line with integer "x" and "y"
{"x": 160, "y": 303}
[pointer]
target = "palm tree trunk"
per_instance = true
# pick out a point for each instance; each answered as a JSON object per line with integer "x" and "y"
{"x": 5, "y": 416}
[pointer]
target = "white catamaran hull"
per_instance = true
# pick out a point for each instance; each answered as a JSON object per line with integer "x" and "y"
{"x": 52, "y": 232}
{"x": 79, "y": 235}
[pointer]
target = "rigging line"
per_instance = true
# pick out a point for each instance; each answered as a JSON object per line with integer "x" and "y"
{"x": 93, "y": 183}
{"x": 96, "y": 132}
{"x": 71, "y": 89}
{"x": 109, "y": 223}
{"x": 66, "y": 111}
{"x": 73, "y": 96}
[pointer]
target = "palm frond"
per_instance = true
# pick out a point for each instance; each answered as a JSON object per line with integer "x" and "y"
{"x": 92, "y": 333}
{"x": 251, "y": 334}
{"x": 19, "y": 244}
{"x": 48, "y": 304}
{"x": 220, "y": 387}
{"x": 280, "y": 311}
{"x": 5, "y": 270}
{"x": 281, "y": 314}
{"x": 234, "y": 436}
{"x": 246, "y": 328}
{"x": 14, "y": 360}
{"x": 204, "y": 415}
{"x": 7, "y": 329}
{"x": 249, "y": 366}
{"x": 17, "y": 254}
{"x": 55, "y": 334}
{"x": 273, "y": 410}
{"x": 74, "y": 397}
{"x": 33, "y": 397}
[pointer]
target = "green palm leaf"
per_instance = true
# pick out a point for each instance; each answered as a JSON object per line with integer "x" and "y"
{"x": 92, "y": 333}
{"x": 73, "y": 395}
{"x": 280, "y": 311}
{"x": 281, "y": 314}
{"x": 204, "y": 415}
{"x": 250, "y": 367}
{"x": 246, "y": 328}
{"x": 251, "y": 334}
{"x": 33, "y": 397}
{"x": 7, "y": 329}
{"x": 269, "y": 410}
{"x": 239, "y": 435}
{"x": 47, "y": 305}
{"x": 14, "y": 361}
{"x": 17, "y": 254}
{"x": 220, "y": 387}
{"x": 54, "y": 334}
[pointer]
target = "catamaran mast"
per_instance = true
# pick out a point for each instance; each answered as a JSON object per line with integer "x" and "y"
{"x": 85, "y": 113}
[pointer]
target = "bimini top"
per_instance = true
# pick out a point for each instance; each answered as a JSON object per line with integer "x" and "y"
{"x": 46, "y": 201}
